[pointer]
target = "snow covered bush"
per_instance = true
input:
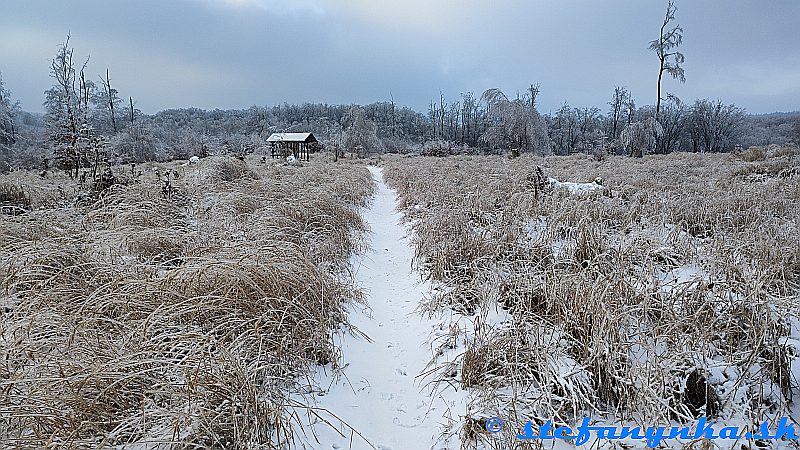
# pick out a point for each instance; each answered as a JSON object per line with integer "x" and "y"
{"x": 639, "y": 137}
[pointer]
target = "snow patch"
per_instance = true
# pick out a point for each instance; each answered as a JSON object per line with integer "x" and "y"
{"x": 576, "y": 188}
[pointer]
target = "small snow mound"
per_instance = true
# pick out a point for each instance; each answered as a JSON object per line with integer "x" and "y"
{"x": 535, "y": 228}
{"x": 292, "y": 161}
{"x": 682, "y": 277}
{"x": 577, "y": 188}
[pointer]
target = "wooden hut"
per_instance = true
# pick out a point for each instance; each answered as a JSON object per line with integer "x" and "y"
{"x": 296, "y": 144}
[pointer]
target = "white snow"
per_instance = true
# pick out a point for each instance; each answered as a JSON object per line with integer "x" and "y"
{"x": 381, "y": 400}
{"x": 576, "y": 188}
{"x": 535, "y": 228}
{"x": 680, "y": 277}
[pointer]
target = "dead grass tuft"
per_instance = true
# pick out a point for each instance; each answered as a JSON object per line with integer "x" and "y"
{"x": 12, "y": 195}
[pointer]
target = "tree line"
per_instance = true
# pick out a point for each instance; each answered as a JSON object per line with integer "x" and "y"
{"x": 88, "y": 124}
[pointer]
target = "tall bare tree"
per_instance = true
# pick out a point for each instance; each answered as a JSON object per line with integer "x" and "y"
{"x": 469, "y": 119}
{"x": 7, "y": 129}
{"x": 109, "y": 98}
{"x": 394, "y": 116}
{"x": 564, "y": 131}
{"x": 62, "y": 104}
{"x": 630, "y": 110}
{"x": 618, "y": 106}
{"x": 433, "y": 115}
{"x": 86, "y": 93}
{"x": 665, "y": 46}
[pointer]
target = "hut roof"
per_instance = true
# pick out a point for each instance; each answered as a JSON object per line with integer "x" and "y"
{"x": 292, "y": 137}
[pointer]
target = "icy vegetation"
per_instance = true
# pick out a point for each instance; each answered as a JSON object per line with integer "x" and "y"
{"x": 667, "y": 293}
{"x": 173, "y": 314}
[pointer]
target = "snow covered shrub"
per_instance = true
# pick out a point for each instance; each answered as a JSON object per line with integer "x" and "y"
{"x": 440, "y": 148}
{"x": 228, "y": 169}
{"x": 789, "y": 149}
{"x": 753, "y": 154}
{"x": 13, "y": 195}
{"x": 397, "y": 145}
{"x": 639, "y": 137}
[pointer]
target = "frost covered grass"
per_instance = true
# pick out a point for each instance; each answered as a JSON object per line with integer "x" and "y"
{"x": 650, "y": 290}
{"x": 178, "y": 322}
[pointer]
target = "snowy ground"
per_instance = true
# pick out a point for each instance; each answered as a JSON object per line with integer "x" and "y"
{"x": 381, "y": 400}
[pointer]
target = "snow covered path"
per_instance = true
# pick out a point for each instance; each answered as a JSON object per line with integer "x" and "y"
{"x": 380, "y": 394}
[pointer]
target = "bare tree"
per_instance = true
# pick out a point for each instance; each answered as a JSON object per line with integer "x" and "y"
{"x": 588, "y": 127}
{"x": 670, "y": 60}
{"x": 453, "y": 120}
{"x": 441, "y": 113}
{"x": 565, "y": 129}
{"x": 361, "y": 136}
{"x": 86, "y": 92}
{"x": 618, "y": 106}
{"x": 109, "y": 98}
{"x": 62, "y": 104}
{"x": 630, "y": 109}
{"x": 514, "y": 124}
{"x": 394, "y": 116}
{"x": 714, "y": 126}
{"x": 673, "y": 121}
{"x": 433, "y": 114}
{"x": 469, "y": 119}
{"x": 637, "y": 137}
{"x": 7, "y": 130}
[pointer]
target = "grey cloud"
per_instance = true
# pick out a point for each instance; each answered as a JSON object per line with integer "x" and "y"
{"x": 235, "y": 53}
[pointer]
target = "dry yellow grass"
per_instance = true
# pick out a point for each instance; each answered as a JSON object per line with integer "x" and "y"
{"x": 597, "y": 328}
{"x": 183, "y": 321}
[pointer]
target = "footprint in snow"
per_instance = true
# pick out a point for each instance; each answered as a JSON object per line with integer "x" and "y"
{"x": 365, "y": 385}
{"x": 397, "y": 422}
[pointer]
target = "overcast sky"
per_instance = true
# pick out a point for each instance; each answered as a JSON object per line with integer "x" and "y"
{"x": 237, "y": 53}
